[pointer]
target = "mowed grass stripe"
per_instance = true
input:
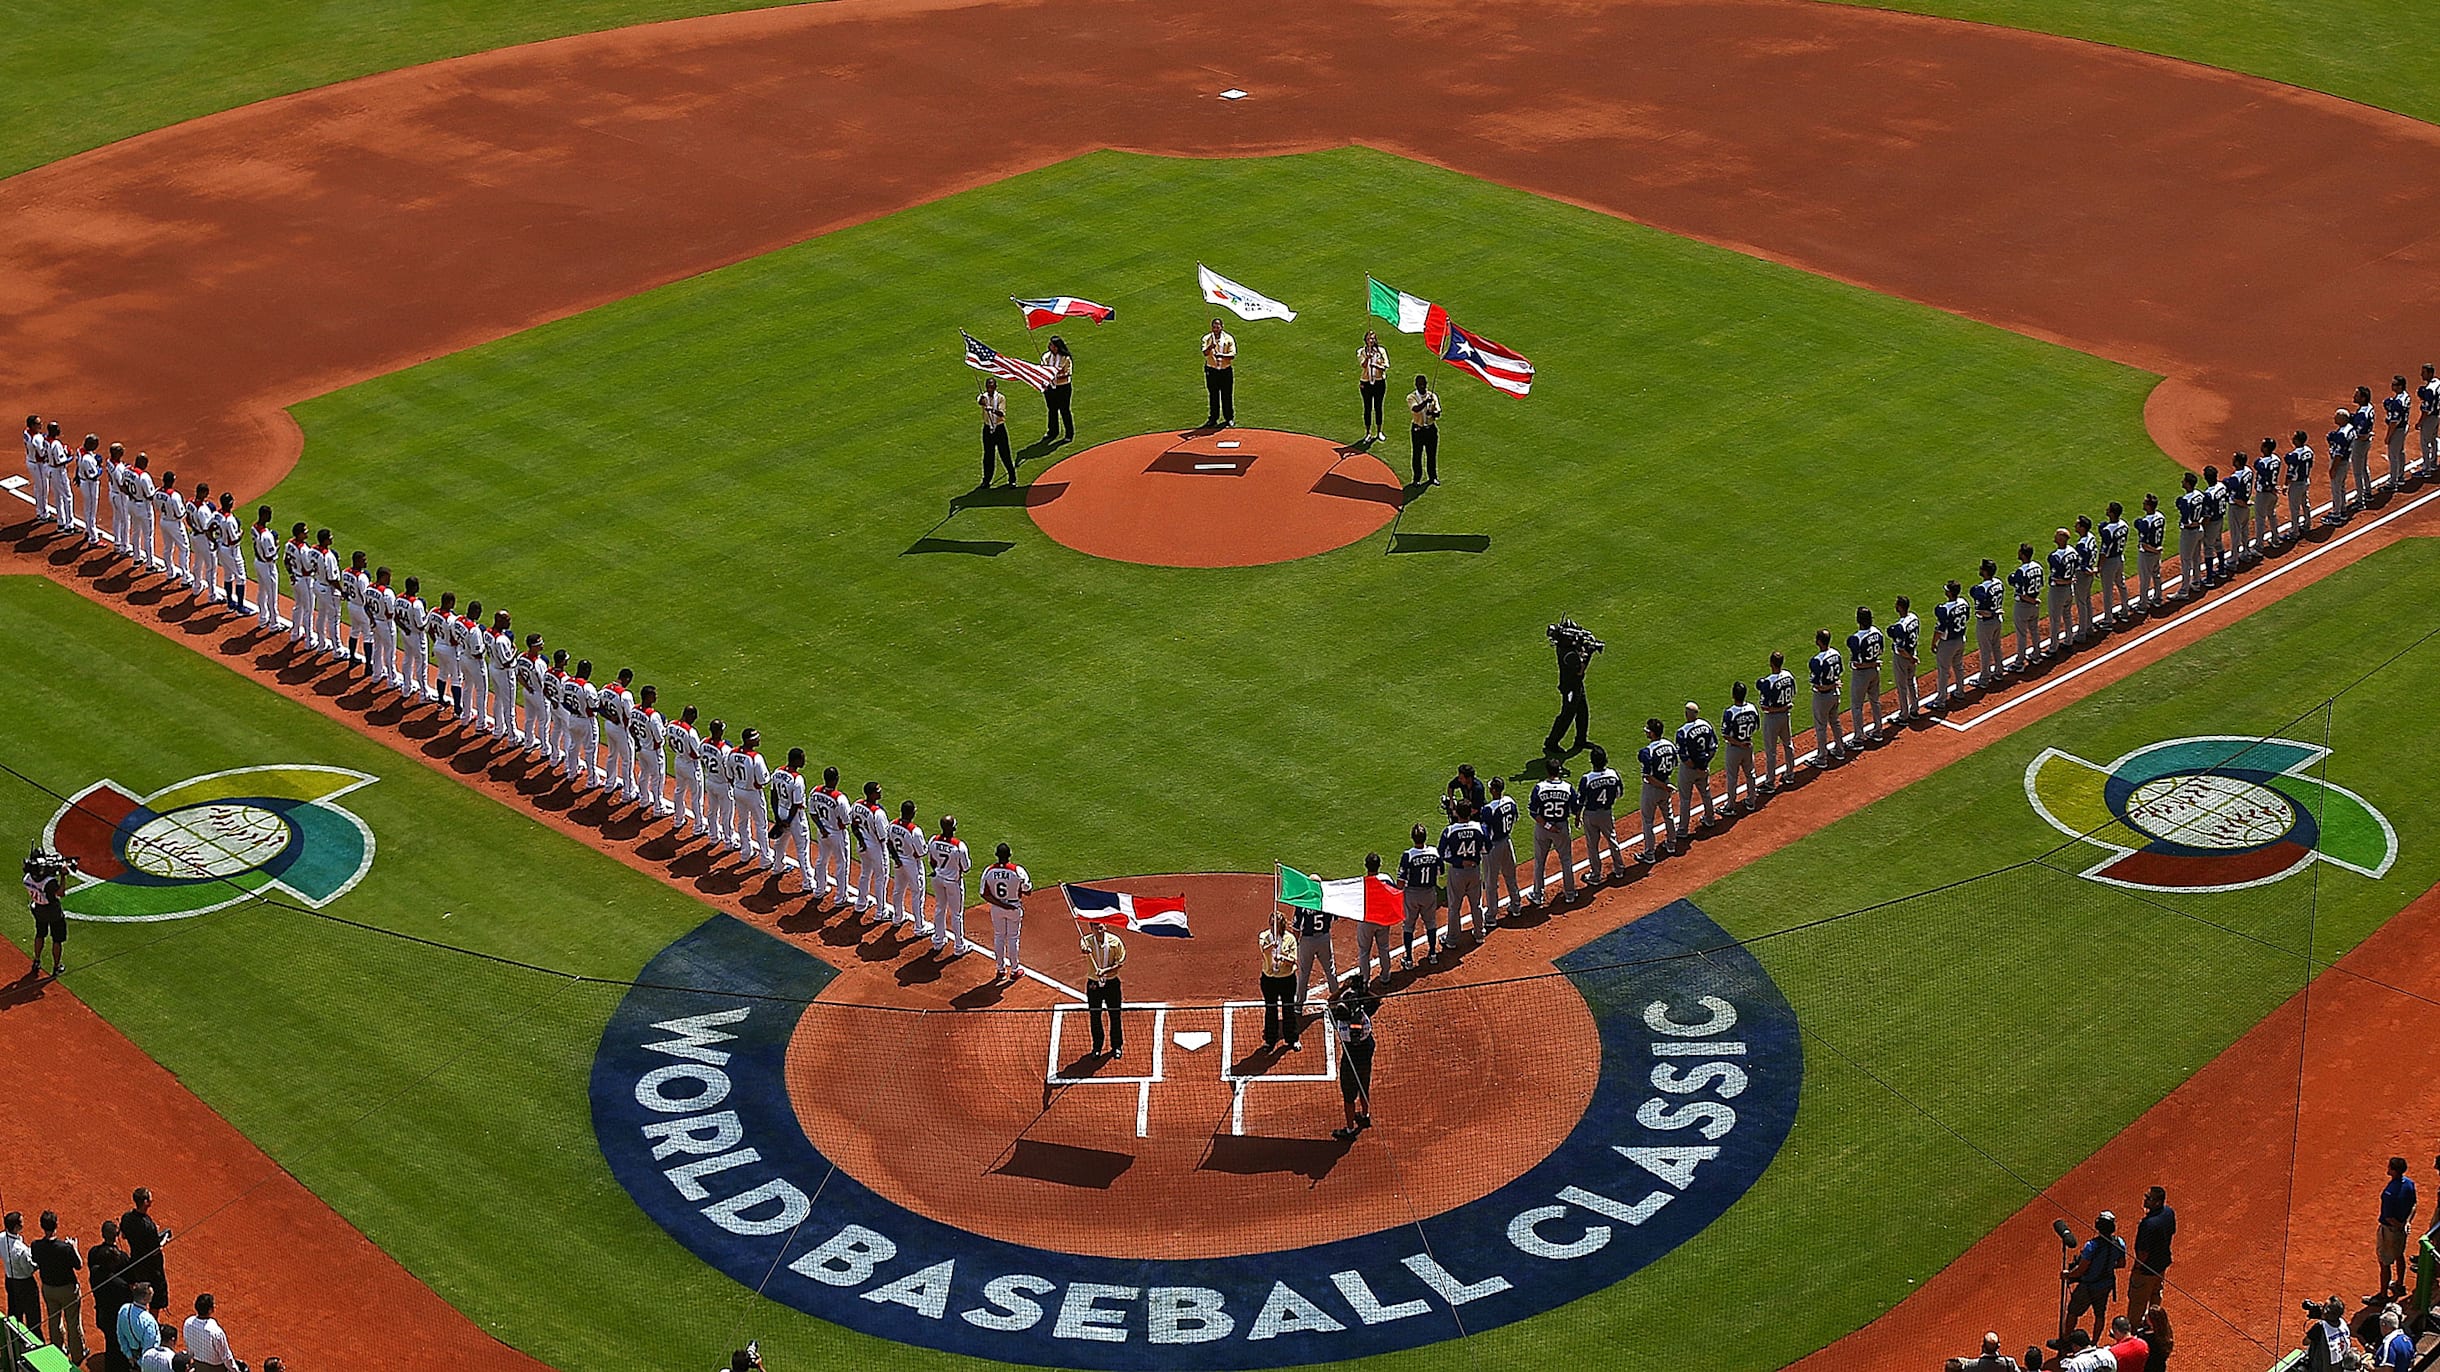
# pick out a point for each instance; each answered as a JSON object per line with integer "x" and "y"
{"x": 718, "y": 483}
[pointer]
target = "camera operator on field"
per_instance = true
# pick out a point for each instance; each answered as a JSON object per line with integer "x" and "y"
{"x": 1575, "y": 646}
{"x": 46, "y": 886}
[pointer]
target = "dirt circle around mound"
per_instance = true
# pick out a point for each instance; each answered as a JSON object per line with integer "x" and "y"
{"x": 950, "y": 1114}
{"x": 1215, "y": 497}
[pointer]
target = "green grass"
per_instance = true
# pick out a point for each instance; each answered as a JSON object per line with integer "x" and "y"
{"x": 719, "y": 482}
{"x": 2375, "y": 51}
{"x": 85, "y": 74}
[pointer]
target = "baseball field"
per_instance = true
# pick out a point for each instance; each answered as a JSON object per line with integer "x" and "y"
{"x": 651, "y": 336}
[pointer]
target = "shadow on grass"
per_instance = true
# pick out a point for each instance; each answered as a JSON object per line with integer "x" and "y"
{"x": 1439, "y": 543}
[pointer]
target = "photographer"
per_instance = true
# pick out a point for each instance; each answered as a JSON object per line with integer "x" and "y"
{"x": 1351, "y": 1019}
{"x": 1575, "y": 646}
{"x": 46, "y": 886}
{"x": 2092, "y": 1276}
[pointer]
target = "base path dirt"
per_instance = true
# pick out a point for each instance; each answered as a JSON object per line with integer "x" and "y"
{"x": 179, "y": 290}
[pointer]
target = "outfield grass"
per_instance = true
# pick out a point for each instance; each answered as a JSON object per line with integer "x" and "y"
{"x": 2375, "y": 51}
{"x": 721, "y": 483}
{"x": 439, "y": 1103}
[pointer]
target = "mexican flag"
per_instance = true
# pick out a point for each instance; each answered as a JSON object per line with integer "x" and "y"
{"x": 1371, "y": 899}
{"x": 1405, "y": 313}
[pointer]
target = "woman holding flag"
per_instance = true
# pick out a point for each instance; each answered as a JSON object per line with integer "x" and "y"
{"x": 1059, "y": 397}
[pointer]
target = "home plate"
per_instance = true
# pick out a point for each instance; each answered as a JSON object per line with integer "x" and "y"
{"x": 1191, "y": 1040}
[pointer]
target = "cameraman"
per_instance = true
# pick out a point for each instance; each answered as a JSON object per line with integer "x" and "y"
{"x": 46, "y": 886}
{"x": 1575, "y": 646}
{"x": 1351, "y": 1019}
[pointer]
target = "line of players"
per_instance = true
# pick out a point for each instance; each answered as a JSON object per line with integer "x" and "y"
{"x": 2224, "y": 523}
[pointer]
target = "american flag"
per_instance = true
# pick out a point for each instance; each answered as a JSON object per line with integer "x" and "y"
{"x": 981, "y": 357}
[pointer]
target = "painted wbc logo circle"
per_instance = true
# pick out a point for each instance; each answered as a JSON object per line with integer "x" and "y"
{"x": 2212, "y": 813}
{"x": 212, "y": 841}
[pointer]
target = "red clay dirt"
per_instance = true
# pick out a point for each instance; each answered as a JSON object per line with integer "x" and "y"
{"x": 1215, "y": 498}
{"x": 180, "y": 289}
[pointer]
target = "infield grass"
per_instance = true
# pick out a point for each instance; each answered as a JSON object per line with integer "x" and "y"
{"x": 728, "y": 484}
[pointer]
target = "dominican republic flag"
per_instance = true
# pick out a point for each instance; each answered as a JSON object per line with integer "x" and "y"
{"x": 1161, "y": 915}
{"x": 1244, "y": 303}
{"x": 980, "y": 357}
{"x": 1503, "y": 369}
{"x": 1372, "y": 899}
{"x": 1058, "y": 307}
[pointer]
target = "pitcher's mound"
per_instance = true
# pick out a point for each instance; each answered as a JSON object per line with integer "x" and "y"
{"x": 1230, "y": 498}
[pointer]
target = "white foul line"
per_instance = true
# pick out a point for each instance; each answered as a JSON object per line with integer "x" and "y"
{"x": 2194, "y": 612}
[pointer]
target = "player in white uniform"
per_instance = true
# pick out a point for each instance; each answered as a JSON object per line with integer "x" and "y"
{"x": 231, "y": 538}
{"x": 500, "y": 672}
{"x": 139, "y": 490}
{"x": 872, "y": 827}
{"x": 447, "y": 627}
{"x": 415, "y": 621}
{"x": 648, "y": 732}
{"x": 831, "y": 822}
{"x": 203, "y": 545}
{"x": 532, "y": 669}
{"x": 114, "y": 471}
{"x": 51, "y": 496}
{"x": 750, "y": 792}
{"x": 907, "y": 848}
{"x": 554, "y": 728}
{"x": 36, "y": 455}
{"x": 329, "y": 606}
{"x": 719, "y": 809}
{"x": 579, "y": 730}
{"x": 686, "y": 764}
{"x": 299, "y": 555}
{"x": 264, "y": 543}
{"x": 1005, "y": 885}
{"x": 88, "y": 472}
{"x": 355, "y": 594}
{"x": 617, "y": 709}
{"x": 380, "y": 614}
{"x": 950, "y": 863}
{"x": 473, "y": 645}
{"x": 791, "y": 816}
{"x": 169, "y": 517}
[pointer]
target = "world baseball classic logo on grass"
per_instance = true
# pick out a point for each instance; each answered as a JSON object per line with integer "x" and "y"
{"x": 2215, "y": 813}
{"x": 212, "y": 841}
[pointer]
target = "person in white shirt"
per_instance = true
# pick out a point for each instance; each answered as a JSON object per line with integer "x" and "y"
{"x": 686, "y": 764}
{"x": 907, "y": 844}
{"x": 231, "y": 537}
{"x": 579, "y": 729}
{"x": 356, "y": 598}
{"x": 57, "y": 469}
{"x": 1220, "y": 376}
{"x": 793, "y": 819}
{"x": 203, "y": 550}
{"x": 500, "y": 665}
{"x": 205, "y": 1341}
{"x": 533, "y": 672}
{"x": 1423, "y": 415}
{"x": 379, "y": 604}
{"x": 265, "y": 545}
{"x": 995, "y": 429}
{"x": 1372, "y": 383}
{"x": 554, "y": 724}
{"x": 414, "y": 628}
{"x": 88, "y": 474}
{"x": 36, "y": 456}
{"x": 298, "y": 553}
{"x": 718, "y": 801}
{"x": 648, "y": 732}
{"x": 1005, "y": 885}
{"x": 950, "y": 863}
{"x": 329, "y": 602}
{"x": 832, "y": 818}
{"x": 872, "y": 827}
{"x": 114, "y": 472}
{"x": 169, "y": 516}
{"x": 750, "y": 792}
{"x": 1059, "y": 397}
{"x": 616, "y": 706}
{"x": 139, "y": 491}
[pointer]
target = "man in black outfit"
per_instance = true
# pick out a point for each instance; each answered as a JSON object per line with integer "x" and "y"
{"x": 144, "y": 1239}
{"x": 2153, "y": 1236}
{"x": 55, "y": 1267}
{"x": 1575, "y": 648}
{"x": 45, "y": 887}
{"x": 104, "y": 1267}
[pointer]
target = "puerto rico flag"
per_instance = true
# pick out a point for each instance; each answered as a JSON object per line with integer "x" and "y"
{"x": 1164, "y": 916}
{"x": 1501, "y": 368}
{"x": 981, "y": 357}
{"x": 1058, "y": 307}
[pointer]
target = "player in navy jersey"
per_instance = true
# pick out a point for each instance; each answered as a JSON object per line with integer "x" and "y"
{"x": 1597, "y": 795}
{"x": 1950, "y": 620}
{"x": 2063, "y": 564}
{"x": 2237, "y": 488}
{"x": 2026, "y": 611}
{"x": 1419, "y": 872}
{"x": 2110, "y": 541}
{"x": 1697, "y": 744}
{"x": 2192, "y": 577}
{"x": 1464, "y": 846}
{"x": 2151, "y": 538}
{"x": 2088, "y": 570}
{"x": 2427, "y": 421}
{"x": 1499, "y": 820}
{"x": 2215, "y": 522}
{"x": 2359, "y": 448}
{"x": 1738, "y": 725}
{"x": 2298, "y": 474}
{"x": 1827, "y": 668}
{"x": 1778, "y": 696}
{"x": 2397, "y": 410}
{"x": 2268, "y": 469}
{"x": 1905, "y": 636}
{"x": 1990, "y": 597}
{"x": 1553, "y": 806}
{"x": 2341, "y": 442}
{"x": 1865, "y": 648}
{"x": 1657, "y": 760}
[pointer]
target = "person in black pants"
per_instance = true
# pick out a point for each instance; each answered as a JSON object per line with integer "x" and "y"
{"x": 1351, "y": 1018}
{"x": 1059, "y": 397}
{"x": 1220, "y": 376}
{"x": 1423, "y": 409}
{"x": 1102, "y": 995}
{"x": 1372, "y": 382}
{"x": 1278, "y": 981}
{"x": 995, "y": 429}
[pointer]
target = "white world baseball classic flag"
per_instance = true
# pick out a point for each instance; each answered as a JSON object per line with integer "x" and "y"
{"x": 1246, "y": 304}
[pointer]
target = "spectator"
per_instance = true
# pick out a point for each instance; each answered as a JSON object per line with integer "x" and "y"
{"x": 139, "y": 1333}
{"x": 166, "y": 1356}
{"x": 2155, "y": 1329}
{"x": 2389, "y": 1241}
{"x": 274, "y": 1365}
{"x": 1992, "y": 1360}
{"x": 144, "y": 1239}
{"x": 2328, "y": 1347}
{"x": 17, "y": 1267}
{"x": 2397, "y": 1350}
{"x": 2093, "y": 1276}
{"x": 55, "y": 1266}
{"x": 2153, "y": 1236}
{"x": 104, "y": 1268}
{"x": 205, "y": 1342}
{"x": 2077, "y": 1353}
{"x": 2127, "y": 1348}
